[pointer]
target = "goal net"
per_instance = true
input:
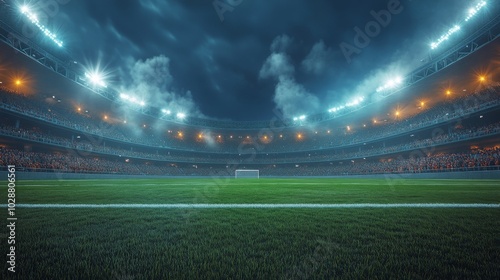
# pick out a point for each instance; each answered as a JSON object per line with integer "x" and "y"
{"x": 245, "y": 173}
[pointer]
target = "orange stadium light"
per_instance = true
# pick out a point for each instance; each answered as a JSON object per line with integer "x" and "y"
{"x": 18, "y": 83}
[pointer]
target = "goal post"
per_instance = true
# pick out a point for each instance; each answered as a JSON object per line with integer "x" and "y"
{"x": 246, "y": 173}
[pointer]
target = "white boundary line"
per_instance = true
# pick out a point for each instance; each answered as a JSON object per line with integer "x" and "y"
{"x": 266, "y": 206}
{"x": 465, "y": 183}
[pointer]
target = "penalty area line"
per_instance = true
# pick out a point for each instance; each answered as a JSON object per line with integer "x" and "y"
{"x": 265, "y": 206}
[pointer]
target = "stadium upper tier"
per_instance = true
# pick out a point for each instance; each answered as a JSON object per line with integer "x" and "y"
{"x": 458, "y": 135}
{"x": 73, "y": 128}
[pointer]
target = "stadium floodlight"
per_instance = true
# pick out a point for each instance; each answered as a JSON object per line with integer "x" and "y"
{"x": 25, "y": 10}
{"x": 470, "y": 14}
{"x": 96, "y": 79}
{"x": 165, "y": 111}
{"x": 335, "y": 109}
{"x": 299, "y": 118}
{"x": 181, "y": 116}
{"x": 474, "y": 10}
{"x": 445, "y": 37}
{"x": 355, "y": 102}
{"x": 390, "y": 84}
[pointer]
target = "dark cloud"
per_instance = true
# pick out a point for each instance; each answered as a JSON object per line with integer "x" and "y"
{"x": 276, "y": 65}
{"x": 281, "y": 43}
{"x": 290, "y": 97}
{"x": 319, "y": 59}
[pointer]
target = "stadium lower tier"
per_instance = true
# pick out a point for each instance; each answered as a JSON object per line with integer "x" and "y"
{"x": 461, "y": 134}
{"x": 475, "y": 159}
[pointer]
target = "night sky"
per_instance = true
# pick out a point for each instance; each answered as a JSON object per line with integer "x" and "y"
{"x": 240, "y": 59}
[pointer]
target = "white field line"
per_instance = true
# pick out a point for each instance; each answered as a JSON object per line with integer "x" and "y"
{"x": 275, "y": 184}
{"x": 265, "y": 206}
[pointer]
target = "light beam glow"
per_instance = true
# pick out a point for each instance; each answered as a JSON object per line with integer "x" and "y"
{"x": 132, "y": 99}
{"x": 390, "y": 84}
{"x": 96, "y": 79}
{"x": 181, "y": 116}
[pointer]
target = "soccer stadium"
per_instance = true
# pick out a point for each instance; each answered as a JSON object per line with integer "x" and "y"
{"x": 250, "y": 140}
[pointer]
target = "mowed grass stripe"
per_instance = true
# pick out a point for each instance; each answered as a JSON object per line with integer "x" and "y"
{"x": 265, "y": 206}
{"x": 331, "y": 182}
{"x": 262, "y": 191}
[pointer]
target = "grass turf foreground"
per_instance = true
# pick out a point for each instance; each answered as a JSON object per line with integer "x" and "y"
{"x": 105, "y": 243}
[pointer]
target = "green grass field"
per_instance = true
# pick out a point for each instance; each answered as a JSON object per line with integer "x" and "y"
{"x": 267, "y": 243}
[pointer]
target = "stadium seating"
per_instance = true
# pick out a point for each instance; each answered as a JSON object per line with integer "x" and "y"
{"x": 83, "y": 142}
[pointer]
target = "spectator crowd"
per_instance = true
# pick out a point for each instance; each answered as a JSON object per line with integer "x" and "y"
{"x": 487, "y": 158}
